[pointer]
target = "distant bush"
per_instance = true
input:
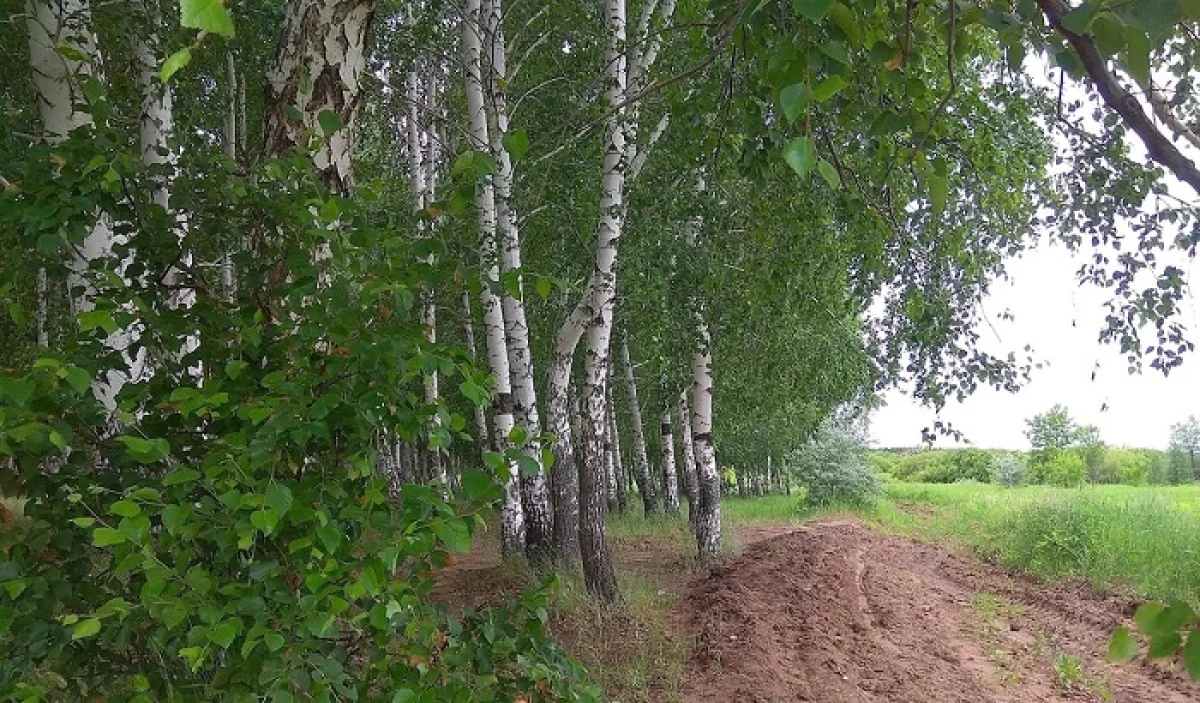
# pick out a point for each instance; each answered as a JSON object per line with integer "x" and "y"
{"x": 951, "y": 466}
{"x": 1063, "y": 468}
{"x": 1009, "y": 470}
{"x": 833, "y": 469}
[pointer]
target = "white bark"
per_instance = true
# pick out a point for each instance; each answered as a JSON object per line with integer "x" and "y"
{"x": 687, "y": 457}
{"x": 597, "y": 558}
{"x": 324, "y": 42}
{"x": 618, "y": 463}
{"x": 51, "y": 24}
{"x": 565, "y": 476}
{"x": 641, "y": 459}
{"x": 533, "y": 486}
{"x": 512, "y": 515}
{"x": 669, "y": 478}
{"x": 708, "y": 523}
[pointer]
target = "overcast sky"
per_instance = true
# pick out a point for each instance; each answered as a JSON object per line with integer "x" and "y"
{"x": 1061, "y": 320}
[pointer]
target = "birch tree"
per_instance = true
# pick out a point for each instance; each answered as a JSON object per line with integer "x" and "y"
{"x": 503, "y": 145}
{"x": 512, "y": 515}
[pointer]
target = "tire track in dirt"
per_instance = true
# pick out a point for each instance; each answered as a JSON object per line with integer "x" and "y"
{"x": 834, "y": 612}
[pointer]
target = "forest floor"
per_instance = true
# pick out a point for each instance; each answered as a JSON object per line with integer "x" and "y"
{"x": 830, "y": 611}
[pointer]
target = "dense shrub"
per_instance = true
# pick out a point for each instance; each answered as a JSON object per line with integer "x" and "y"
{"x": 833, "y": 469}
{"x": 1062, "y": 467}
{"x": 228, "y": 536}
{"x": 1009, "y": 470}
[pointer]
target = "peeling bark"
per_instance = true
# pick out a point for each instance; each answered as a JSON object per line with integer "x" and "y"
{"x": 319, "y": 65}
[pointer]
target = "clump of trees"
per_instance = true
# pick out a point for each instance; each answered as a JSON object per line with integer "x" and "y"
{"x": 1062, "y": 453}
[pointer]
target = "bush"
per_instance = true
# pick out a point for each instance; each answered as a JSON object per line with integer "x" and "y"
{"x": 228, "y": 537}
{"x": 832, "y": 467}
{"x": 952, "y": 466}
{"x": 1009, "y": 470}
{"x": 1063, "y": 468}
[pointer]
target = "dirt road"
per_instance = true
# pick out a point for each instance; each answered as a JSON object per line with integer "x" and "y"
{"x": 834, "y": 612}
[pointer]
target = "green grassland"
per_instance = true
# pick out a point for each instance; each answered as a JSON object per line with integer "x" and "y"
{"x": 1144, "y": 538}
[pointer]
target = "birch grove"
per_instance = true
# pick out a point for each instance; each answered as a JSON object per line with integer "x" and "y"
{"x": 305, "y": 298}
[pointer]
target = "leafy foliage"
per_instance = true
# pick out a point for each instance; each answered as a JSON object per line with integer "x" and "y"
{"x": 224, "y": 531}
{"x": 832, "y": 467}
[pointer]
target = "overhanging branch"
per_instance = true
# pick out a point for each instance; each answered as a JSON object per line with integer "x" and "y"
{"x": 1160, "y": 148}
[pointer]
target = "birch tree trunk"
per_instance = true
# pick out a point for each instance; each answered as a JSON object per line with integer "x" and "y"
{"x": 708, "y": 520}
{"x": 687, "y": 457}
{"x": 319, "y": 66}
{"x": 641, "y": 459}
{"x": 67, "y": 23}
{"x": 512, "y": 514}
{"x": 618, "y": 463}
{"x": 669, "y": 477}
{"x": 481, "y": 425}
{"x": 535, "y": 492}
{"x": 564, "y": 477}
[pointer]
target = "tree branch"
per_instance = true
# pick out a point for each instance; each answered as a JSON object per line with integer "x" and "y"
{"x": 1120, "y": 100}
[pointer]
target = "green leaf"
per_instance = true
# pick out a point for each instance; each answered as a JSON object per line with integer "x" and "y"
{"x": 106, "y": 536}
{"x": 542, "y": 286}
{"x": 274, "y": 641}
{"x": 939, "y": 193}
{"x": 145, "y": 451}
{"x": 92, "y": 319}
{"x": 829, "y": 173}
{"x": 1164, "y": 645}
{"x": 79, "y": 379}
{"x": 1146, "y": 615}
{"x": 235, "y": 368}
{"x": 815, "y": 10}
{"x": 476, "y": 483}
{"x": 174, "y": 63}
{"x": 136, "y": 528}
{"x": 1078, "y": 19}
{"x": 85, "y": 628}
{"x": 516, "y": 143}
{"x": 453, "y": 534}
{"x": 829, "y": 87}
{"x": 404, "y": 695}
{"x": 1122, "y": 646}
{"x": 1191, "y": 655}
{"x": 801, "y": 155}
{"x": 84, "y": 522}
{"x": 265, "y": 519}
{"x": 1109, "y": 32}
{"x": 517, "y": 435}
{"x": 330, "y": 122}
{"x": 279, "y": 497}
{"x": 1137, "y": 55}
{"x": 795, "y": 100}
{"x": 194, "y": 656}
{"x": 17, "y": 390}
{"x": 125, "y": 508}
{"x": 836, "y": 50}
{"x": 207, "y": 16}
{"x": 224, "y": 634}
{"x": 179, "y": 476}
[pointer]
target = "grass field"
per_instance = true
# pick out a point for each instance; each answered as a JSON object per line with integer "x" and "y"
{"x": 1147, "y": 538}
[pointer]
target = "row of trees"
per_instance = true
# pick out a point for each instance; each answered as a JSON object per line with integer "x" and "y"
{"x": 275, "y": 352}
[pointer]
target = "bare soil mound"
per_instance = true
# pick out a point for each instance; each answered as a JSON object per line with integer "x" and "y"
{"x": 834, "y": 611}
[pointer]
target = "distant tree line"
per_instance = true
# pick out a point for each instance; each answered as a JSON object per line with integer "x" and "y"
{"x": 1062, "y": 453}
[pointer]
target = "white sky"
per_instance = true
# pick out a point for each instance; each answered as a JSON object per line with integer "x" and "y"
{"x": 1061, "y": 320}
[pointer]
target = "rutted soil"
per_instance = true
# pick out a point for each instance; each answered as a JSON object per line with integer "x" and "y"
{"x": 833, "y": 611}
